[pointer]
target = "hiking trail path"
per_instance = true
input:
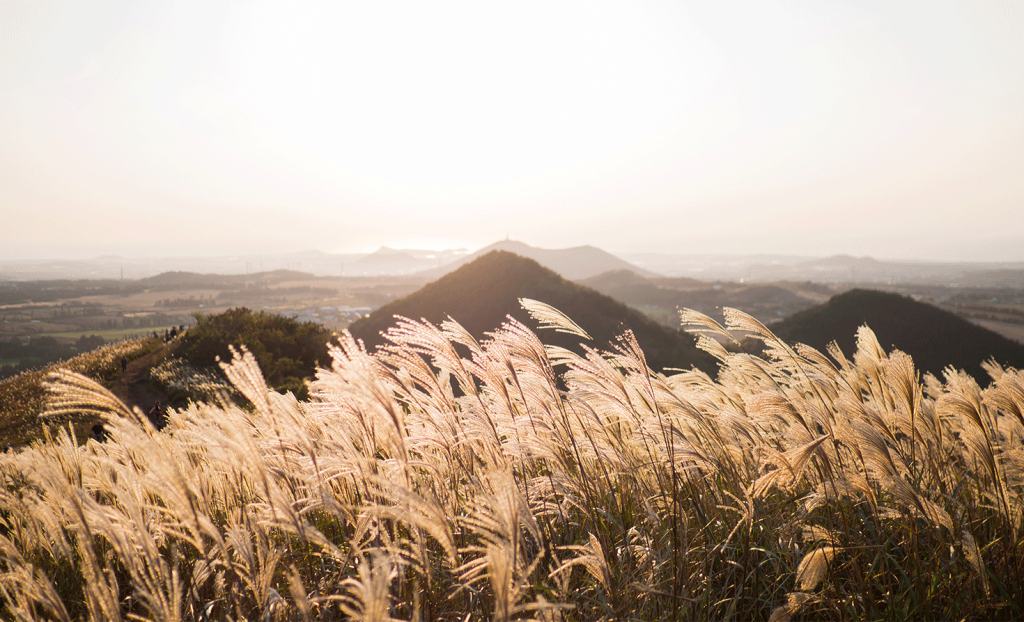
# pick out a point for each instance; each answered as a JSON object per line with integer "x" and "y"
{"x": 136, "y": 389}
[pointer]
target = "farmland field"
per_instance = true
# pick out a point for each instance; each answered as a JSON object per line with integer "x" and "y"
{"x": 113, "y": 334}
{"x": 1010, "y": 331}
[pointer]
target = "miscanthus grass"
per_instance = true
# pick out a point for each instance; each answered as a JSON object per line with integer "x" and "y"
{"x": 445, "y": 478}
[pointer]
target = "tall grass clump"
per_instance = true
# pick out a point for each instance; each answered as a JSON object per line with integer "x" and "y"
{"x": 449, "y": 478}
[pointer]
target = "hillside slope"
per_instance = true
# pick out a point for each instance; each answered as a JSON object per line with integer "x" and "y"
{"x": 933, "y": 337}
{"x": 480, "y": 295}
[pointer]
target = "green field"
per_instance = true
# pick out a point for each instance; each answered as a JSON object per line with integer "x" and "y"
{"x": 113, "y": 334}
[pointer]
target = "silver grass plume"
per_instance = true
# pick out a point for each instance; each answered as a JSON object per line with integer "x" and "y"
{"x": 813, "y": 567}
{"x": 73, "y": 393}
{"x": 550, "y": 317}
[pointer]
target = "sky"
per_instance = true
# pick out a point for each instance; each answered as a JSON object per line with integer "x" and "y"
{"x": 885, "y": 129}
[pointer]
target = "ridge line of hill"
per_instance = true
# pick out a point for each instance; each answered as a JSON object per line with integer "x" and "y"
{"x": 933, "y": 337}
{"x": 482, "y": 293}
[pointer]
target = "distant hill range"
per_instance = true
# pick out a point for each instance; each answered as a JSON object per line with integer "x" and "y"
{"x": 481, "y": 293}
{"x": 382, "y": 262}
{"x": 168, "y": 280}
{"x": 576, "y": 263}
{"x": 393, "y": 261}
{"x": 834, "y": 269}
{"x": 933, "y": 337}
{"x": 844, "y": 268}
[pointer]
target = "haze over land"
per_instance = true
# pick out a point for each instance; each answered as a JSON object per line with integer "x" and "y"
{"x": 366, "y": 150}
{"x": 209, "y": 129}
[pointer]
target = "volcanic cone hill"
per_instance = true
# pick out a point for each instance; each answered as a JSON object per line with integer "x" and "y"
{"x": 576, "y": 263}
{"x": 933, "y": 337}
{"x": 480, "y": 295}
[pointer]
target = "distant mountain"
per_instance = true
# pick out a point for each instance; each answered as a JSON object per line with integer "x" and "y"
{"x": 613, "y": 279}
{"x": 679, "y": 282}
{"x": 393, "y": 261}
{"x": 179, "y": 278}
{"x": 847, "y": 269}
{"x": 572, "y": 263}
{"x": 933, "y": 337}
{"x": 111, "y": 267}
{"x": 167, "y": 280}
{"x": 576, "y": 263}
{"x": 480, "y": 294}
{"x": 708, "y": 267}
{"x": 834, "y": 269}
{"x": 387, "y": 261}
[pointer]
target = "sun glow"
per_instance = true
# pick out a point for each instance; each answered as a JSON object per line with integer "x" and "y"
{"x": 327, "y": 125}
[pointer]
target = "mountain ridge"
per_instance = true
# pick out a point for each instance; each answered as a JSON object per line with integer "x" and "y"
{"x": 481, "y": 294}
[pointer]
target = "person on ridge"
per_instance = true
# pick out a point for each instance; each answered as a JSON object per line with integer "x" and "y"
{"x": 99, "y": 432}
{"x": 157, "y": 416}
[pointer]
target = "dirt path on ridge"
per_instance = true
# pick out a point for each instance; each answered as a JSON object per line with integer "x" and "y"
{"x": 135, "y": 388}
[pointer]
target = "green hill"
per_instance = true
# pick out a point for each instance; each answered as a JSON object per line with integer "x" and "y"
{"x": 480, "y": 295}
{"x": 933, "y": 337}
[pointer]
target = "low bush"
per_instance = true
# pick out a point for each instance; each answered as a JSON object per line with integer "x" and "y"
{"x": 287, "y": 351}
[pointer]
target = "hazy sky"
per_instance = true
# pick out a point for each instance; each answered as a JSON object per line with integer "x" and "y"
{"x": 870, "y": 128}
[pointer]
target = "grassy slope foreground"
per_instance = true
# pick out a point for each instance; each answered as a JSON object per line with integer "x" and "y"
{"x": 481, "y": 294}
{"x": 787, "y": 487}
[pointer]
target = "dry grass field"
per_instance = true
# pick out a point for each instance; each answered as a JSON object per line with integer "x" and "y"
{"x": 450, "y": 479}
